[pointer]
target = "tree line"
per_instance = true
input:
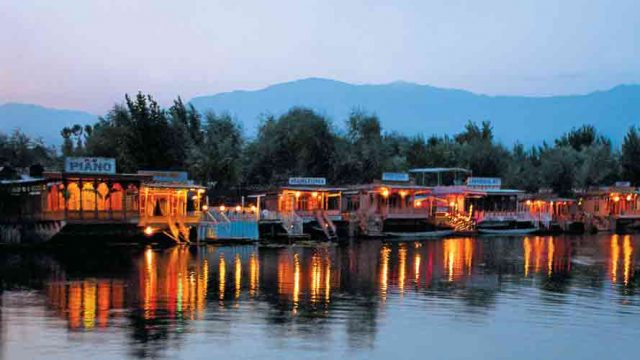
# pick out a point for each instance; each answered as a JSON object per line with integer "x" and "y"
{"x": 212, "y": 147}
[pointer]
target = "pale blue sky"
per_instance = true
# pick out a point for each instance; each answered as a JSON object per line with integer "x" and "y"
{"x": 86, "y": 54}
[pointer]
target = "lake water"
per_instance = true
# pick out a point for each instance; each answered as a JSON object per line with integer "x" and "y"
{"x": 570, "y": 297}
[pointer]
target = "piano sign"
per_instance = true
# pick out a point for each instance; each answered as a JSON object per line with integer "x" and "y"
{"x": 90, "y": 165}
{"x": 315, "y": 181}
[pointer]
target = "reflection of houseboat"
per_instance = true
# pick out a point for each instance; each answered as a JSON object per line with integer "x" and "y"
{"x": 613, "y": 208}
{"x": 394, "y": 207}
{"x": 303, "y": 208}
{"x": 90, "y": 199}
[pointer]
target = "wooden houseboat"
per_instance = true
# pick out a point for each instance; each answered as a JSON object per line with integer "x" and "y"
{"x": 473, "y": 204}
{"x": 393, "y": 207}
{"x": 305, "y": 207}
{"x": 613, "y": 208}
{"x": 90, "y": 200}
{"x": 553, "y": 214}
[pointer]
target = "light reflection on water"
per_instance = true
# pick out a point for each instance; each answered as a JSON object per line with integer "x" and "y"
{"x": 366, "y": 299}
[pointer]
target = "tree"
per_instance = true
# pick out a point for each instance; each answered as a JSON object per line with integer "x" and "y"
{"x": 217, "y": 159}
{"x": 558, "y": 169}
{"x": 629, "y": 159}
{"x": 298, "y": 143}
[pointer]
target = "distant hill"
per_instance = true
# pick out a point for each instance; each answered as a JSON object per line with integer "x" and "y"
{"x": 39, "y": 121}
{"x": 411, "y": 108}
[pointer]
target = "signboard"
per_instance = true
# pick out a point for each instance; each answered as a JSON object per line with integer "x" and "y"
{"x": 484, "y": 182}
{"x": 90, "y": 165}
{"x": 167, "y": 176}
{"x": 308, "y": 181}
{"x": 394, "y": 176}
{"x": 623, "y": 184}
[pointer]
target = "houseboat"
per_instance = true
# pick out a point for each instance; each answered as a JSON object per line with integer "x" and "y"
{"x": 305, "y": 207}
{"x": 553, "y": 214}
{"x": 473, "y": 204}
{"x": 611, "y": 208}
{"x": 393, "y": 207}
{"x": 89, "y": 200}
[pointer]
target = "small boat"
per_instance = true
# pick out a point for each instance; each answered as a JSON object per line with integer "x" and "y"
{"x": 419, "y": 234}
{"x": 495, "y": 231}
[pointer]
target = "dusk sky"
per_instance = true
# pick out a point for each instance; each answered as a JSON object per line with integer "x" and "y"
{"x": 86, "y": 54}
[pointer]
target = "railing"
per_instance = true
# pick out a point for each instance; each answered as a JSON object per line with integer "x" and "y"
{"x": 503, "y": 216}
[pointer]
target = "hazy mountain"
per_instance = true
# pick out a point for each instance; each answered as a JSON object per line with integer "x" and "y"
{"x": 39, "y": 121}
{"x": 412, "y": 108}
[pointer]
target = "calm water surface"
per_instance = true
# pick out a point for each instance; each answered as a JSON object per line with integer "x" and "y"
{"x": 525, "y": 298}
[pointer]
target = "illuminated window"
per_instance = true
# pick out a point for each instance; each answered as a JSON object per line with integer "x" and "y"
{"x": 88, "y": 197}
{"x": 103, "y": 197}
{"x": 73, "y": 196}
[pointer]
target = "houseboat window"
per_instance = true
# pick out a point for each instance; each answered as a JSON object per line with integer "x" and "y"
{"x": 333, "y": 203}
{"x": 73, "y": 197}
{"x": 116, "y": 197}
{"x": 103, "y": 197}
{"x": 54, "y": 198}
{"x": 303, "y": 202}
{"x": 131, "y": 200}
{"x": 353, "y": 203}
{"x": 88, "y": 197}
{"x": 395, "y": 201}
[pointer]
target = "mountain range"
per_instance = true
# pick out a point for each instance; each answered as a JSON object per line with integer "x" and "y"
{"x": 41, "y": 122}
{"x": 401, "y": 106}
{"x": 421, "y": 109}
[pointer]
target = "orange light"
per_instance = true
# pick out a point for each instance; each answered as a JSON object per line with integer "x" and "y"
{"x": 403, "y": 193}
{"x": 418, "y": 203}
{"x": 148, "y": 231}
{"x": 528, "y": 202}
{"x": 223, "y": 208}
{"x": 385, "y": 192}
{"x": 298, "y": 194}
{"x": 452, "y": 204}
{"x": 629, "y": 197}
{"x": 314, "y": 194}
{"x": 205, "y": 207}
{"x": 238, "y": 208}
{"x": 616, "y": 198}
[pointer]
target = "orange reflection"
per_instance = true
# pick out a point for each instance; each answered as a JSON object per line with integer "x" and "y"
{"x": 222, "y": 276}
{"x": 457, "y": 257}
{"x": 238, "y": 275}
{"x": 296, "y": 282}
{"x": 172, "y": 281}
{"x": 416, "y": 268}
{"x": 615, "y": 253}
{"x": 254, "y": 274}
{"x": 384, "y": 271}
{"x": 628, "y": 253}
{"x": 550, "y": 252}
{"x": 104, "y": 302}
{"x": 402, "y": 264}
{"x": 527, "y": 255}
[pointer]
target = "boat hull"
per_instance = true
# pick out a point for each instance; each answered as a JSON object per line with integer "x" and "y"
{"x": 507, "y": 231}
{"x": 418, "y": 235}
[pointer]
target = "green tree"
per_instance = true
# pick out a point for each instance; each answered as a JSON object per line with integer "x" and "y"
{"x": 298, "y": 143}
{"x": 630, "y": 157}
{"x": 218, "y": 158}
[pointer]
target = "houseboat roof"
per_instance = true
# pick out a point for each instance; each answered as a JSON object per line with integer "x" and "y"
{"x": 170, "y": 185}
{"x": 439, "y": 170}
{"x": 58, "y": 175}
{"x": 391, "y": 185}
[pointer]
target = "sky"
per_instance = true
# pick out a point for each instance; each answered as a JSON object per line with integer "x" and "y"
{"x": 86, "y": 55}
